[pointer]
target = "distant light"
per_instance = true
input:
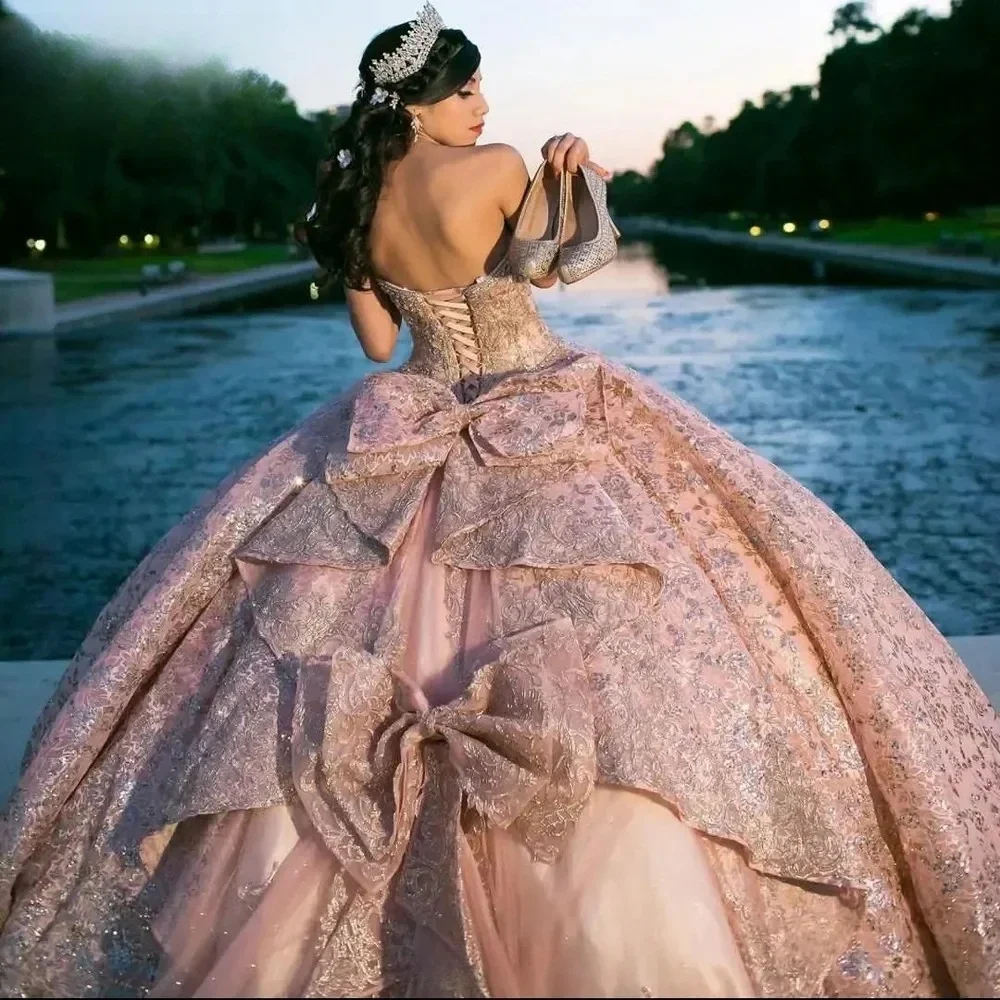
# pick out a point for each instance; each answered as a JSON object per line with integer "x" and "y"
{"x": 735, "y": 215}
{"x": 123, "y": 240}
{"x": 931, "y": 216}
{"x": 40, "y": 245}
{"x": 756, "y": 231}
{"x": 313, "y": 290}
{"x": 148, "y": 239}
{"x": 824, "y": 223}
{"x": 31, "y": 244}
{"x": 788, "y": 227}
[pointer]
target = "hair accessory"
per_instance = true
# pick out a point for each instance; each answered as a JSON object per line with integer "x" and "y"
{"x": 413, "y": 49}
{"x": 380, "y": 96}
{"x": 345, "y": 158}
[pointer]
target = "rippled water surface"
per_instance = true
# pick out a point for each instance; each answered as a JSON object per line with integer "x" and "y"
{"x": 884, "y": 401}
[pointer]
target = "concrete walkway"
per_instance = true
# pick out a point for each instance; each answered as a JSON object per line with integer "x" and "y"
{"x": 194, "y": 293}
{"x": 25, "y": 686}
{"x": 967, "y": 272}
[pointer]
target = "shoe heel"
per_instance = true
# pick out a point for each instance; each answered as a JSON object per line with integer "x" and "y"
{"x": 593, "y": 243}
{"x": 538, "y": 230}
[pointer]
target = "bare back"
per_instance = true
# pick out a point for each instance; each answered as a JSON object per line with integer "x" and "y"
{"x": 441, "y": 219}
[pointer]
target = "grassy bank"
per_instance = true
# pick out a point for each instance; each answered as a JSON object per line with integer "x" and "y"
{"x": 919, "y": 233}
{"x": 120, "y": 272}
{"x": 933, "y": 232}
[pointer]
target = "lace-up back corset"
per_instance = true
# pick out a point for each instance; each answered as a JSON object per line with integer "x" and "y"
{"x": 462, "y": 336}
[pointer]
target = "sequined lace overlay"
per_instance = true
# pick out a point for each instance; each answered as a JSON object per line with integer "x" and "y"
{"x": 495, "y": 656}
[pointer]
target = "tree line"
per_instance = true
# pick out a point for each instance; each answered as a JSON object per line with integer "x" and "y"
{"x": 902, "y": 120}
{"x": 96, "y": 144}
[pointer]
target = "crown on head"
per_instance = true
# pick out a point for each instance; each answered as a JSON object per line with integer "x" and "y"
{"x": 412, "y": 51}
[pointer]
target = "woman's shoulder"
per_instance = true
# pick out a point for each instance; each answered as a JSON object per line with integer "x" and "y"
{"x": 498, "y": 154}
{"x": 494, "y": 158}
{"x": 501, "y": 169}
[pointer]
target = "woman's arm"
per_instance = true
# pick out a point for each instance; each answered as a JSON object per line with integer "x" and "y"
{"x": 375, "y": 320}
{"x": 512, "y": 182}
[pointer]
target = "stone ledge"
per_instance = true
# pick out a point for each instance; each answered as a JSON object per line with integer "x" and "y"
{"x": 966, "y": 272}
{"x": 200, "y": 292}
{"x": 27, "y": 302}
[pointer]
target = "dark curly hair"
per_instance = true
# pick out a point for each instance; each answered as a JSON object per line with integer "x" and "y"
{"x": 337, "y": 228}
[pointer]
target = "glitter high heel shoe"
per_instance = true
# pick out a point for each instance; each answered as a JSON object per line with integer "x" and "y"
{"x": 589, "y": 235}
{"x": 539, "y": 227}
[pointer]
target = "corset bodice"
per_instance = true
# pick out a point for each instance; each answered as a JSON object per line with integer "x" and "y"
{"x": 462, "y": 336}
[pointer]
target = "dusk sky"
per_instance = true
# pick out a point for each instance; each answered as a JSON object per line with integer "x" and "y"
{"x": 619, "y": 73}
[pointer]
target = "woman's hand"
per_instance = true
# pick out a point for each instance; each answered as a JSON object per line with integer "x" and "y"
{"x": 569, "y": 152}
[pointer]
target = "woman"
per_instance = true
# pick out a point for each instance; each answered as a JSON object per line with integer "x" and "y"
{"x": 506, "y": 674}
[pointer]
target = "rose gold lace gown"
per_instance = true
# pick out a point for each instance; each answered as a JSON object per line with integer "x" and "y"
{"x": 507, "y": 674}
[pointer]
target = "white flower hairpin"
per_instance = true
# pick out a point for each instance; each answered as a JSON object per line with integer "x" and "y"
{"x": 380, "y": 95}
{"x": 345, "y": 158}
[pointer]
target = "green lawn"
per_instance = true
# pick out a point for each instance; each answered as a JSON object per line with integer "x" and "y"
{"x": 79, "y": 279}
{"x": 916, "y": 233}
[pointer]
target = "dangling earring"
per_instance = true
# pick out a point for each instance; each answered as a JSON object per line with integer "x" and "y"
{"x": 419, "y": 132}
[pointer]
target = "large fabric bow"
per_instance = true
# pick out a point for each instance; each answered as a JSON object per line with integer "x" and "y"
{"x": 404, "y": 422}
{"x": 384, "y": 778}
{"x": 406, "y": 426}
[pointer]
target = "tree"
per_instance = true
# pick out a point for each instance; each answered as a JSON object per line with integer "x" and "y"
{"x": 900, "y": 121}
{"x": 96, "y": 144}
{"x": 852, "y": 19}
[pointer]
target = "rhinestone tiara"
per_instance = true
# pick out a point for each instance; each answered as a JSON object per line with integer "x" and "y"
{"x": 413, "y": 48}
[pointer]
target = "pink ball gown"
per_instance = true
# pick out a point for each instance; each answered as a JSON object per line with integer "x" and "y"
{"x": 507, "y": 674}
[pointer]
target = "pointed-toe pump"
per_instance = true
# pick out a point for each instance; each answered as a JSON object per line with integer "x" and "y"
{"x": 539, "y": 227}
{"x": 589, "y": 235}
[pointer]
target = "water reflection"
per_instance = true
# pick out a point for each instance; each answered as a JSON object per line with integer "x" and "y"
{"x": 882, "y": 400}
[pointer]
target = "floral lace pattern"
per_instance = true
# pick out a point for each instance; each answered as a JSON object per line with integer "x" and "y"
{"x": 668, "y": 614}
